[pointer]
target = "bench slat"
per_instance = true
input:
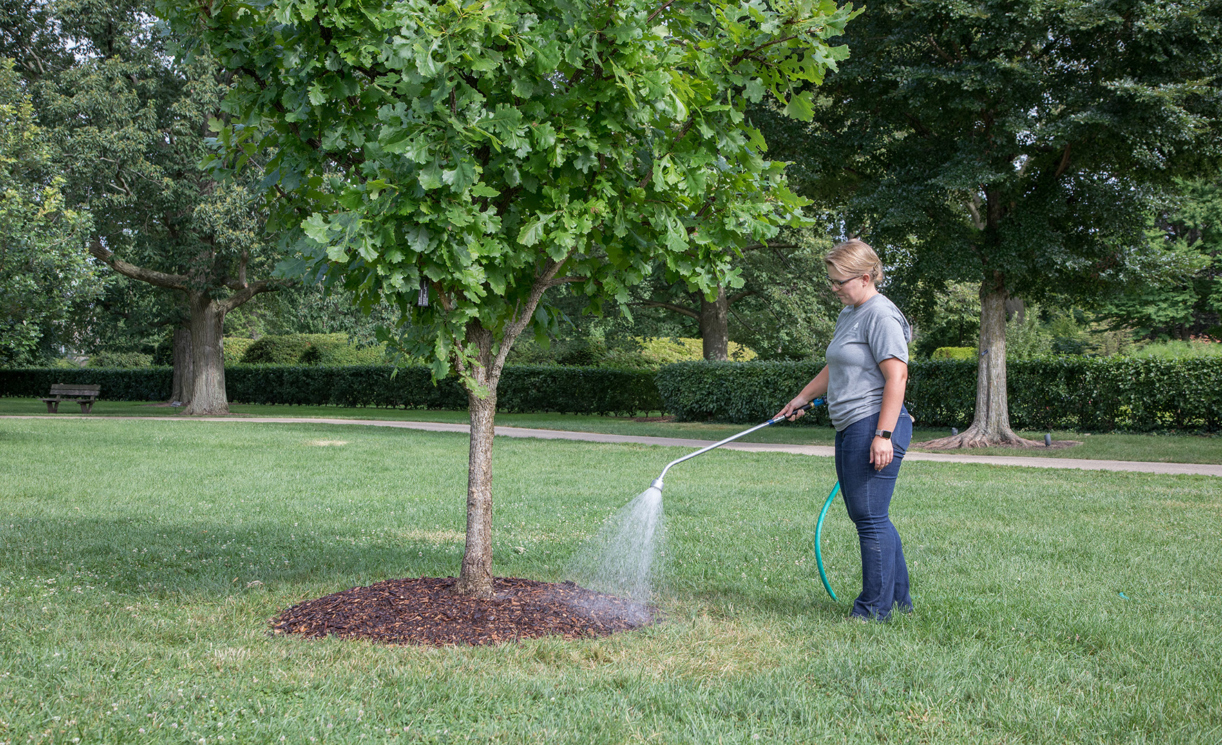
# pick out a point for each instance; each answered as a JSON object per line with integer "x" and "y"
{"x": 60, "y": 389}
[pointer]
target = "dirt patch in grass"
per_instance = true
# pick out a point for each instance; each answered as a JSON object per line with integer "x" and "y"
{"x": 653, "y": 419}
{"x": 426, "y": 611}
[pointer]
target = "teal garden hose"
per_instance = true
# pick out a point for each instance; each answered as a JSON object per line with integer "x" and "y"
{"x": 819, "y": 540}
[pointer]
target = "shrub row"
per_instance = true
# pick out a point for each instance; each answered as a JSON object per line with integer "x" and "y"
{"x": 1083, "y": 393}
{"x": 576, "y": 390}
{"x": 1092, "y": 394}
{"x": 135, "y": 384}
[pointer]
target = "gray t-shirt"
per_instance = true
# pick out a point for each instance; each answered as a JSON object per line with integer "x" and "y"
{"x": 864, "y": 336}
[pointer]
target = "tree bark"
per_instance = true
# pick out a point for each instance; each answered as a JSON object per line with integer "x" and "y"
{"x": 181, "y": 389}
{"x": 715, "y": 327}
{"x": 1016, "y": 307}
{"x": 991, "y": 425}
{"x": 475, "y": 579}
{"x": 208, "y": 396}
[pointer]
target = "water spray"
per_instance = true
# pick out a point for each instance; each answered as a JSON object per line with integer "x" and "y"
{"x": 654, "y": 493}
{"x": 620, "y": 559}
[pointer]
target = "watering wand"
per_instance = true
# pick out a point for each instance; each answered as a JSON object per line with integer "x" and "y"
{"x": 657, "y": 483}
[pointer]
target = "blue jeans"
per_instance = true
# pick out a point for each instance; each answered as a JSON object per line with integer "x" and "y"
{"x": 867, "y": 496}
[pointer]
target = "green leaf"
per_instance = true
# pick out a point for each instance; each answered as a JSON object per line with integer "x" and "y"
{"x": 532, "y": 232}
{"x": 800, "y": 107}
{"x": 317, "y": 228}
{"x": 461, "y": 177}
{"x": 430, "y": 176}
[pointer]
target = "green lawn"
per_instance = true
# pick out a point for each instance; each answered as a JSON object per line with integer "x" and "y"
{"x": 140, "y": 563}
{"x": 1162, "y": 448}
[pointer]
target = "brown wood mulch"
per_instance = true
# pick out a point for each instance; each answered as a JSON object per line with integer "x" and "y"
{"x": 425, "y": 611}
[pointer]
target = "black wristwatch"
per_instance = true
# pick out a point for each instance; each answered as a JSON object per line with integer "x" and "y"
{"x": 883, "y": 433}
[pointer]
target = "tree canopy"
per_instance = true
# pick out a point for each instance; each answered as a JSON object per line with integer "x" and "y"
{"x": 1017, "y": 145}
{"x": 460, "y": 159}
{"x": 130, "y": 125}
{"x": 43, "y": 272}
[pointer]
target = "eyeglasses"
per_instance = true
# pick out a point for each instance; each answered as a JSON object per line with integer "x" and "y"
{"x": 839, "y": 282}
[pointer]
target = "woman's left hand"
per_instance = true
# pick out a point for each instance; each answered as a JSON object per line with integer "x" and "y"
{"x": 881, "y": 453}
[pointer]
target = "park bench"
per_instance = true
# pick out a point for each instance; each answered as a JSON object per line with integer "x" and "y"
{"x": 84, "y": 395}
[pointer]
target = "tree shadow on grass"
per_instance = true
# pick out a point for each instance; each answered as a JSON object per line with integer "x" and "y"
{"x": 209, "y": 558}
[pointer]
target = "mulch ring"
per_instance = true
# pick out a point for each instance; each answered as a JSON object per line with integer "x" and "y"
{"x": 425, "y": 611}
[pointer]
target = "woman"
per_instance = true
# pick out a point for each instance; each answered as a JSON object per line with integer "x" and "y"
{"x": 864, "y": 381}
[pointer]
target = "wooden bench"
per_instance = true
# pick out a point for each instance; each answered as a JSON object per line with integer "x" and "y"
{"x": 84, "y": 395}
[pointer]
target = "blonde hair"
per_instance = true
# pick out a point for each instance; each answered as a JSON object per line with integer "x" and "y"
{"x": 854, "y": 258}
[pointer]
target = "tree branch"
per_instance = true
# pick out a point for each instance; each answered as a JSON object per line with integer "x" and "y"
{"x": 748, "y": 53}
{"x": 240, "y": 297}
{"x": 514, "y": 329}
{"x": 160, "y": 279}
{"x": 669, "y": 306}
{"x": 1064, "y": 164}
{"x": 941, "y": 52}
{"x": 659, "y": 10}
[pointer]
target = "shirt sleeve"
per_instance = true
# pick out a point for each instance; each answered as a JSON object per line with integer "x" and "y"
{"x": 887, "y": 339}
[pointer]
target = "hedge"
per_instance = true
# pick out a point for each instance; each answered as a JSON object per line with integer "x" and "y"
{"x": 1091, "y": 394}
{"x": 1079, "y": 393}
{"x": 133, "y": 384}
{"x": 308, "y": 349}
{"x": 577, "y": 390}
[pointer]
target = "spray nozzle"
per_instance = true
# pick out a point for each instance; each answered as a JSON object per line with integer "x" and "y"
{"x": 805, "y": 407}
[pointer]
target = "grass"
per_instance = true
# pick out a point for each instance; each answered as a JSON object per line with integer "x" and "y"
{"x": 140, "y": 563}
{"x": 1155, "y": 447}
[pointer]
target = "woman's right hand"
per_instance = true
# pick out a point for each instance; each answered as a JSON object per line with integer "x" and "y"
{"x": 791, "y": 411}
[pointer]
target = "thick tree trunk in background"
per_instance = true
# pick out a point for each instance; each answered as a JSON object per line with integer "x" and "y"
{"x": 715, "y": 327}
{"x": 207, "y": 357}
{"x": 991, "y": 426}
{"x": 476, "y": 576}
{"x": 182, "y": 387}
{"x": 1016, "y": 307}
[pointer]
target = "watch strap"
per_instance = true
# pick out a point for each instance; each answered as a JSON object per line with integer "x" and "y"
{"x": 883, "y": 433}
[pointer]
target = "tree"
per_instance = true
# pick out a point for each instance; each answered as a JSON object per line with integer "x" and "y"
{"x": 1174, "y": 290}
{"x": 781, "y": 308}
{"x": 43, "y": 273}
{"x": 473, "y": 156}
{"x": 1015, "y": 145}
{"x": 131, "y": 127}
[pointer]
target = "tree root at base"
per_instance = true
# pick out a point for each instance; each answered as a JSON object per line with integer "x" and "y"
{"x": 974, "y": 438}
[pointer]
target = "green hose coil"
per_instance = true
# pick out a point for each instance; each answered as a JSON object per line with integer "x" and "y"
{"x": 819, "y": 540}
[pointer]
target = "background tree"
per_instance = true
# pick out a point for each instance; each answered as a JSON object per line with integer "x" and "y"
{"x": 1174, "y": 290}
{"x": 474, "y": 156}
{"x": 1015, "y": 145}
{"x": 43, "y": 273}
{"x": 781, "y": 308}
{"x": 131, "y": 126}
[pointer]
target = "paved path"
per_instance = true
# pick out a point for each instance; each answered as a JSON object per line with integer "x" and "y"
{"x": 754, "y": 447}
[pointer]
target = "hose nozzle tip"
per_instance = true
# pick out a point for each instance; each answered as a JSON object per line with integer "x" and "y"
{"x": 657, "y": 484}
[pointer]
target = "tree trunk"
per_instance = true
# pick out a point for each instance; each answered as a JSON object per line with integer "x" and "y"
{"x": 991, "y": 426}
{"x": 715, "y": 327}
{"x": 207, "y": 357}
{"x": 181, "y": 389}
{"x": 1016, "y": 307}
{"x": 476, "y": 576}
